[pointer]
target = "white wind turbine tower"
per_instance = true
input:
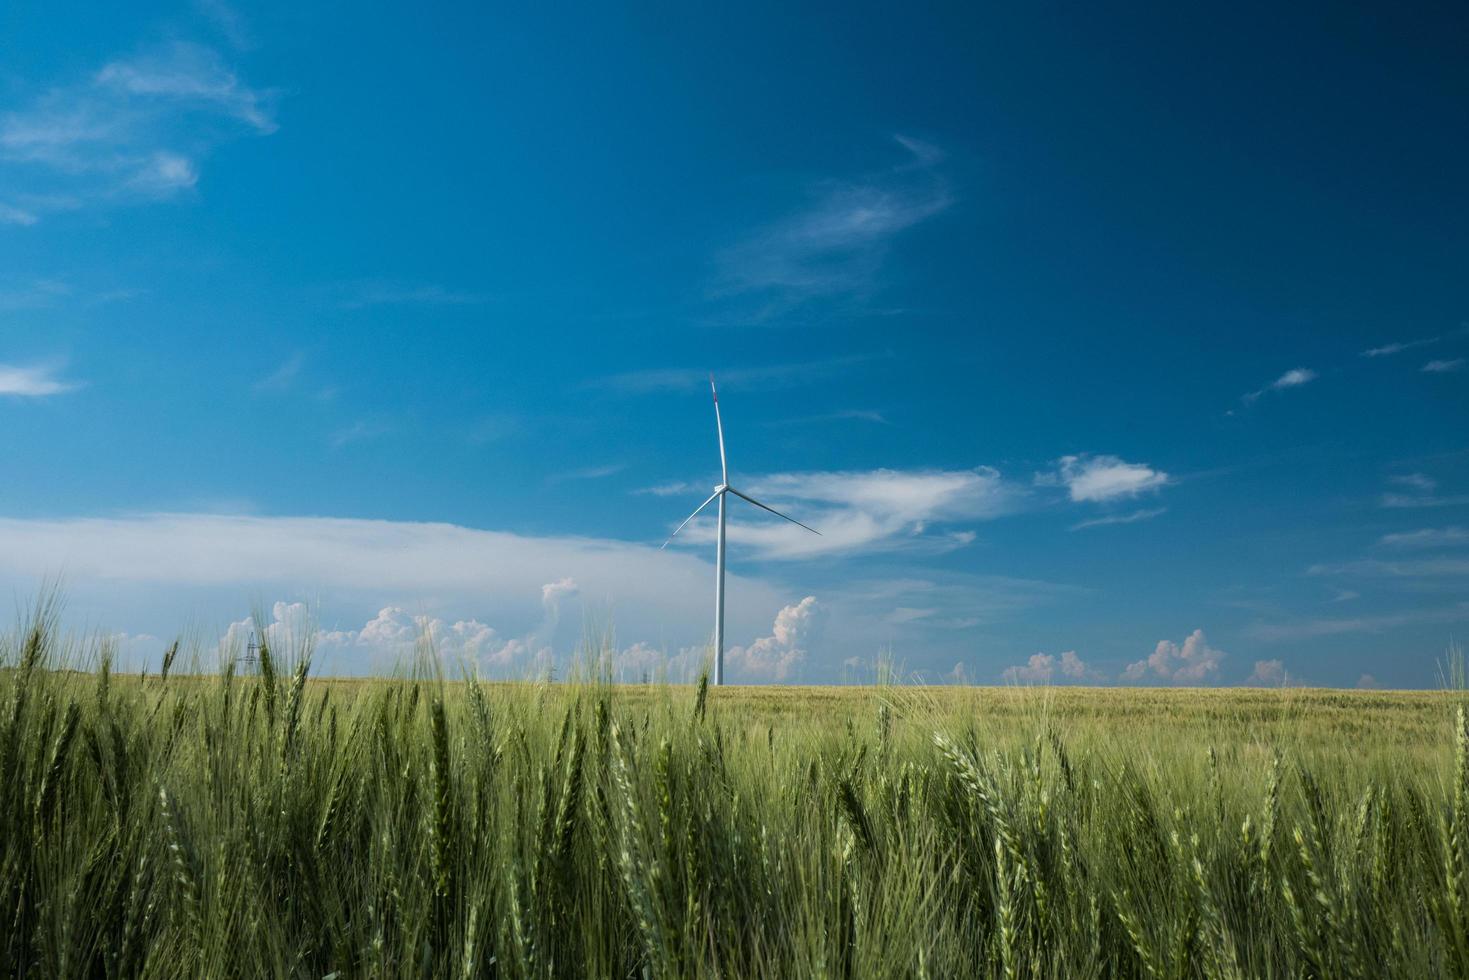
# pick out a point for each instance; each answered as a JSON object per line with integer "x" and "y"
{"x": 719, "y": 494}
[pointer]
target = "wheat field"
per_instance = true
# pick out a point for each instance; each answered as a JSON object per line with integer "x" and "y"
{"x": 270, "y": 824}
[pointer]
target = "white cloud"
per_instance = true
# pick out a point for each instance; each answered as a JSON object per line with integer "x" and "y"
{"x": 391, "y": 637}
{"x": 1443, "y": 537}
{"x": 1398, "y": 347}
{"x": 774, "y": 657}
{"x": 1132, "y": 517}
{"x": 762, "y": 377}
{"x": 145, "y": 572}
{"x": 1444, "y": 367}
{"x": 861, "y": 510}
{"x": 1401, "y": 501}
{"x": 1103, "y": 478}
{"x": 361, "y": 431}
{"x": 1411, "y": 568}
{"x": 835, "y": 246}
{"x": 227, "y": 21}
{"x": 33, "y": 382}
{"x": 668, "y": 489}
{"x": 1193, "y": 662}
{"x": 843, "y": 415}
{"x": 943, "y": 604}
{"x": 1419, "y": 492}
{"x": 1415, "y": 481}
{"x": 1043, "y": 668}
{"x": 553, "y": 593}
{"x": 1309, "y": 628}
{"x": 190, "y": 74}
{"x": 35, "y": 294}
{"x": 12, "y": 215}
{"x": 590, "y": 472}
{"x": 164, "y": 173}
{"x": 643, "y": 661}
{"x": 1268, "y": 673}
{"x": 284, "y": 375}
{"x": 1293, "y": 378}
{"x": 1368, "y": 683}
{"x": 135, "y": 130}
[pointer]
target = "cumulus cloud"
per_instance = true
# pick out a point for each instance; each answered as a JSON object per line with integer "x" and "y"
{"x": 391, "y": 636}
{"x": 1192, "y": 662}
{"x": 552, "y": 593}
{"x": 33, "y": 382}
{"x": 776, "y": 656}
{"x": 142, "y": 572}
{"x": 1103, "y": 478}
{"x": 134, "y": 130}
{"x": 1268, "y": 673}
{"x": 1043, "y": 668}
{"x": 872, "y": 509}
{"x": 643, "y": 661}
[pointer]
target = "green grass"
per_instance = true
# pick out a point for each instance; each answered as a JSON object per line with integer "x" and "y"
{"x": 276, "y": 826}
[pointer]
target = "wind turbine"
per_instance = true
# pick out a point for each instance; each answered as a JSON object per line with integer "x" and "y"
{"x": 720, "y": 492}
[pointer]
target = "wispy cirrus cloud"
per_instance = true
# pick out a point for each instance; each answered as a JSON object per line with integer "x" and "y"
{"x": 135, "y": 130}
{"x": 1397, "y": 347}
{"x": 1417, "y": 490}
{"x": 843, "y": 415}
{"x": 34, "y": 381}
{"x": 835, "y": 246}
{"x": 1407, "y": 568}
{"x": 590, "y": 472}
{"x": 283, "y": 375}
{"x": 1444, "y": 366}
{"x": 33, "y": 294}
{"x": 1294, "y": 378}
{"x": 365, "y": 293}
{"x": 671, "y": 489}
{"x": 1431, "y": 537}
{"x": 1131, "y": 517}
{"x": 1342, "y": 625}
{"x": 363, "y": 430}
{"x": 758, "y": 377}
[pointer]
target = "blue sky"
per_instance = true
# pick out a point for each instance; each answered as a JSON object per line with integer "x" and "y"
{"x": 1103, "y": 346}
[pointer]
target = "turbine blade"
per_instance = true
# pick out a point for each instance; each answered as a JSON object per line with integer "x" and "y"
{"x": 689, "y": 518}
{"x": 723, "y": 466}
{"x": 772, "y": 510}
